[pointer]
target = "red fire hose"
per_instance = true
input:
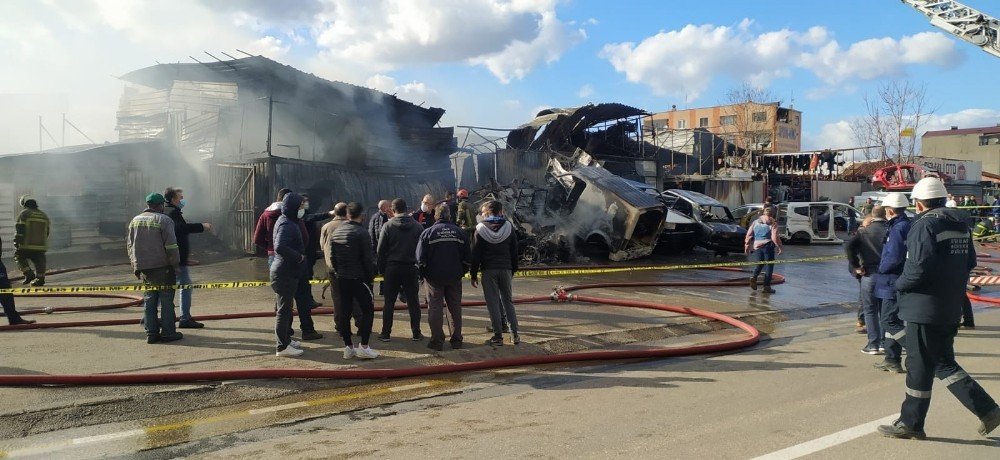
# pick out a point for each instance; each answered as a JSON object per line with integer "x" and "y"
{"x": 751, "y": 337}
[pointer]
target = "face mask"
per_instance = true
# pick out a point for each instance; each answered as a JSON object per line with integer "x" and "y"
{"x": 181, "y": 204}
{"x": 425, "y": 208}
{"x": 306, "y": 206}
{"x": 302, "y": 212}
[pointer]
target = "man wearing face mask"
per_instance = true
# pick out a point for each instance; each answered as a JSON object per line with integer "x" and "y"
{"x": 313, "y": 253}
{"x": 175, "y": 203}
{"x": 425, "y": 215}
{"x": 286, "y": 272}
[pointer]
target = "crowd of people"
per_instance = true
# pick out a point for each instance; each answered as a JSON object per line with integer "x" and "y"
{"x": 433, "y": 247}
{"x": 912, "y": 276}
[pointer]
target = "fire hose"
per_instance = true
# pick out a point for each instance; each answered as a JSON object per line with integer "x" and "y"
{"x": 750, "y": 337}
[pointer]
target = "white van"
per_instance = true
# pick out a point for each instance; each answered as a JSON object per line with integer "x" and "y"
{"x": 816, "y": 221}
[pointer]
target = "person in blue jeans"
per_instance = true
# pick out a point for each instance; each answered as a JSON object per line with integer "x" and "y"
{"x": 762, "y": 244}
{"x": 889, "y": 269}
{"x": 175, "y": 203}
{"x": 864, "y": 252}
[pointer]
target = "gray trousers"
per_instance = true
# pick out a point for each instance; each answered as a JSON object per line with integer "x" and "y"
{"x": 499, "y": 298}
{"x": 439, "y": 294}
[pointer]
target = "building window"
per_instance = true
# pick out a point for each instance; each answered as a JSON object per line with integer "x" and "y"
{"x": 703, "y": 122}
{"x": 989, "y": 139}
{"x": 759, "y": 117}
{"x": 682, "y": 124}
{"x": 727, "y": 120}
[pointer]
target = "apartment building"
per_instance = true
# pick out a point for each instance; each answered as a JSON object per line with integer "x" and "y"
{"x": 975, "y": 144}
{"x": 763, "y": 128}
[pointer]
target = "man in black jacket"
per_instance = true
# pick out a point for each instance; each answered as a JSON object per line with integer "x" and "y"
{"x": 175, "y": 203}
{"x": 353, "y": 264}
{"x": 864, "y": 252}
{"x": 494, "y": 250}
{"x": 375, "y": 225}
{"x": 397, "y": 262}
{"x": 940, "y": 255}
{"x": 442, "y": 256}
{"x": 286, "y": 271}
{"x": 304, "y": 296}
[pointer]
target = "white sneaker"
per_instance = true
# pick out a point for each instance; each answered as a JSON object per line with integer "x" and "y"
{"x": 366, "y": 353}
{"x": 289, "y": 352}
{"x": 349, "y": 353}
{"x": 295, "y": 344}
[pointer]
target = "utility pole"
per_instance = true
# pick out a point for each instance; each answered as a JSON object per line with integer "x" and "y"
{"x": 64, "y": 130}
{"x": 270, "y": 117}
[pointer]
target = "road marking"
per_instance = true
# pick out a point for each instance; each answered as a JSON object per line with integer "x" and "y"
{"x": 107, "y": 437}
{"x": 826, "y": 442}
{"x": 277, "y": 408}
{"x": 415, "y": 386}
{"x": 156, "y": 429}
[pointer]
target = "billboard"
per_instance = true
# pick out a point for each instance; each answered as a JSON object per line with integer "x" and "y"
{"x": 960, "y": 171}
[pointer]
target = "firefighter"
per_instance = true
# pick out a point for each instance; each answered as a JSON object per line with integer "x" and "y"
{"x": 31, "y": 240}
{"x": 931, "y": 287}
{"x": 465, "y": 214}
{"x": 889, "y": 268}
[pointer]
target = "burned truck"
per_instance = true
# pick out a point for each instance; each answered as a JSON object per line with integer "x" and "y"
{"x": 586, "y": 209}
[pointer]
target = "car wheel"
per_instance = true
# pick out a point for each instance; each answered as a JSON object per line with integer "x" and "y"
{"x": 801, "y": 238}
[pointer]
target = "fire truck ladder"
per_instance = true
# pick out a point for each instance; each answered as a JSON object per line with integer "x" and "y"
{"x": 962, "y": 21}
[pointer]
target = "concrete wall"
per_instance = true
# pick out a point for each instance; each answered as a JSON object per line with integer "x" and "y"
{"x": 962, "y": 147}
{"x": 839, "y": 191}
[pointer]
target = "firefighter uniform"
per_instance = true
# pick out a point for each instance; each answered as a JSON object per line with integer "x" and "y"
{"x": 940, "y": 255}
{"x": 31, "y": 238}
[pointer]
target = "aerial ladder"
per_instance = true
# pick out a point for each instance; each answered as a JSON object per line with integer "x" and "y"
{"x": 962, "y": 21}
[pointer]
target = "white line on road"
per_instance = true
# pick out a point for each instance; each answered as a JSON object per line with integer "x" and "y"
{"x": 107, "y": 437}
{"x": 265, "y": 410}
{"x": 826, "y": 442}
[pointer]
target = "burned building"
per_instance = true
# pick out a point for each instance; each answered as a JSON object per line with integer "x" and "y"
{"x": 251, "y": 126}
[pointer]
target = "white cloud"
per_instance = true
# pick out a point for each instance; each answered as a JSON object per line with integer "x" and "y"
{"x": 269, "y": 46}
{"x": 684, "y": 62}
{"x": 838, "y": 134}
{"x": 67, "y": 52}
{"x": 414, "y": 91}
{"x": 585, "y": 91}
{"x": 831, "y": 136}
{"x": 508, "y": 38}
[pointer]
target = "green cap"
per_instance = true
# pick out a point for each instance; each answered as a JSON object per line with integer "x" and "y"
{"x": 155, "y": 198}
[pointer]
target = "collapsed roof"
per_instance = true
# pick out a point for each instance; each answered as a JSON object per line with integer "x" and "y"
{"x": 264, "y": 77}
{"x": 565, "y": 130}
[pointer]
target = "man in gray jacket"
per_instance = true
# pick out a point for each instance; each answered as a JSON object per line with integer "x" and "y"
{"x": 152, "y": 249}
{"x": 397, "y": 262}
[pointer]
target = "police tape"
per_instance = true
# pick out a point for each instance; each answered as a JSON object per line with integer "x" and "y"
{"x": 521, "y": 273}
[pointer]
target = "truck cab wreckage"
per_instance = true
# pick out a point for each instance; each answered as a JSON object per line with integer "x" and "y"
{"x": 577, "y": 203}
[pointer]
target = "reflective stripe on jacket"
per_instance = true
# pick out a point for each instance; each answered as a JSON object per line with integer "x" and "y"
{"x": 31, "y": 231}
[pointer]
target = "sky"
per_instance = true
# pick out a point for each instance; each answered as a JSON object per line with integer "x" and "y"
{"x": 495, "y": 63}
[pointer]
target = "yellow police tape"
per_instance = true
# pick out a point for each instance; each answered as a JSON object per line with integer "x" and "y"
{"x": 521, "y": 273}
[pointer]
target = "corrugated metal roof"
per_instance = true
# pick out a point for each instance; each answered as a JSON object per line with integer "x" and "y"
{"x": 960, "y": 132}
{"x": 617, "y": 185}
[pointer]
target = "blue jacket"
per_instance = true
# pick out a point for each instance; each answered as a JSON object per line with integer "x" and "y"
{"x": 996, "y": 208}
{"x": 443, "y": 253}
{"x": 893, "y": 257}
{"x": 941, "y": 254}
{"x": 289, "y": 242}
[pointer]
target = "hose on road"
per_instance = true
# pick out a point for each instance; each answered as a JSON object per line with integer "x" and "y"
{"x": 749, "y": 337}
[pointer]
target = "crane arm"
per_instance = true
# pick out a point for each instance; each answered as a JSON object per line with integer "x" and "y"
{"x": 962, "y": 21}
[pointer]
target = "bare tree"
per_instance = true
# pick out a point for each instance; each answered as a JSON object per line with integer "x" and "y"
{"x": 895, "y": 114}
{"x": 748, "y": 121}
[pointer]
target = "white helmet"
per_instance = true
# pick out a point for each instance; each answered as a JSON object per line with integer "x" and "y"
{"x": 895, "y": 200}
{"x": 929, "y": 188}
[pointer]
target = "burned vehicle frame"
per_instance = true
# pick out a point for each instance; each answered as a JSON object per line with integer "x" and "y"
{"x": 719, "y": 230}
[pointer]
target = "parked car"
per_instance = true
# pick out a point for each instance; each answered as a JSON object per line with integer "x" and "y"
{"x": 815, "y": 221}
{"x": 718, "y": 230}
{"x": 680, "y": 233}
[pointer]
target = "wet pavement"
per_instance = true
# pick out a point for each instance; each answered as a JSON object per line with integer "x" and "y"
{"x": 812, "y": 289}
